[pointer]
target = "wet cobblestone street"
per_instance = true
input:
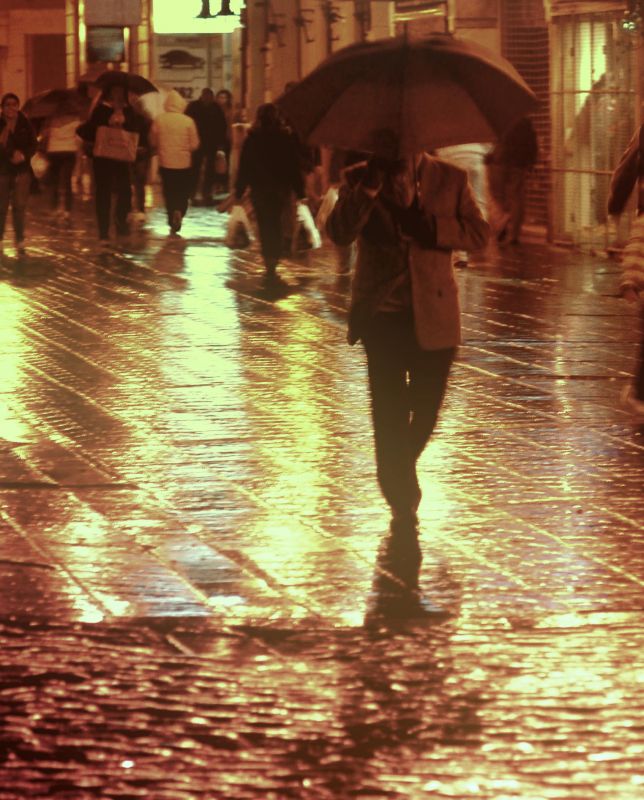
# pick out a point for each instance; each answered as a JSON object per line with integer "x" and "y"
{"x": 199, "y": 599}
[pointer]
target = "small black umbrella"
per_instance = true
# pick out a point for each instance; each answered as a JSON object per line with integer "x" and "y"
{"x": 56, "y": 103}
{"x": 428, "y": 93}
{"x": 132, "y": 82}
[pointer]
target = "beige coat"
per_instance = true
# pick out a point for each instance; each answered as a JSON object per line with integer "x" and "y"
{"x": 444, "y": 192}
{"x": 174, "y": 134}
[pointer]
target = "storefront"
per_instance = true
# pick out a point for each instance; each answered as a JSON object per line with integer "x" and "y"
{"x": 595, "y": 109}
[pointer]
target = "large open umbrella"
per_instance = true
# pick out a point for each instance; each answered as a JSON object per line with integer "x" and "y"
{"x": 429, "y": 93}
{"x": 55, "y": 103}
{"x": 132, "y": 82}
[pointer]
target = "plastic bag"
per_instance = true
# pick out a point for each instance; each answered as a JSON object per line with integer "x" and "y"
{"x": 305, "y": 236}
{"x": 328, "y": 202}
{"x": 238, "y": 235}
{"x": 39, "y": 165}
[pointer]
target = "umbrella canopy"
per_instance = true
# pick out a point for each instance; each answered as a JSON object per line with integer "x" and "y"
{"x": 136, "y": 84}
{"x": 56, "y": 103}
{"x": 429, "y": 93}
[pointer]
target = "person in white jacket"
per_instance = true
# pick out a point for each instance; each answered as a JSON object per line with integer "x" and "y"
{"x": 174, "y": 137}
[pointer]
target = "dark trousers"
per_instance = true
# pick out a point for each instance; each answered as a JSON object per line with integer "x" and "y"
{"x": 270, "y": 210}
{"x": 61, "y": 169}
{"x": 112, "y": 176}
{"x": 14, "y": 190}
{"x": 176, "y": 190}
{"x": 407, "y": 387}
{"x": 203, "y": 157}
{"x": 139, "y": 179}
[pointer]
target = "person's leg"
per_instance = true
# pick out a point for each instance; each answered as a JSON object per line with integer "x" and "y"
{"x": 139, "y": 182}
{"x": 388, "y": 344}
{"x": 516, "y": 203}
{"x": 103, "y": 196}
{"x": 209, "y": 175}
{"x": 54, "y": 176}
{"x": 639, "y": 375}
{"x": 6, "y": 184}
{"x": 123, "y": 196}
{"x": 164, "y": 174}
{"x": 269, "y": 210}
{"x": 21, "y": 188}
{"x": 183, "y": 190}
{"x": 176, "y": 200}
{"x": 428, "y": 377}
{"x": 197, "y": 161}
{"x": 66, "y": 172}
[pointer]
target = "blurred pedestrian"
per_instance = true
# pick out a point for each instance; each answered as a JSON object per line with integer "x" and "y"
{"x": 140, "y": 168}
{"x": 270, "y": 166}
{"x": 174, "y": 136}
{"x": 61, "y": 145}
{"x": 212, "y": 130}
{"x": 509, "y": 164}
{"x": 471, "y": 158}
{"x": 17, "y": 146}
{"x": 112, "y": 175}
{"x": 224, "y": 98}
{"x": 629, "y": 174}
{"x": 407, "y": 215}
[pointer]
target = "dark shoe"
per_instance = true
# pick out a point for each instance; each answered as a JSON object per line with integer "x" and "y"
{"x": 175, "y": 227}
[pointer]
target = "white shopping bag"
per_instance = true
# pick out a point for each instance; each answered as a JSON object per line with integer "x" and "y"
{"x": 238, "y": 232}
{"x": 328, "y": 202}
{"x": 305, "y": 236}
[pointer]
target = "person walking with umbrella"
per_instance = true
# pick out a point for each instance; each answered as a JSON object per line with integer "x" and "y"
{"x": 112, "y": 175}
{"x": 627, "y": 176}
{"x": 17, "y": 146}
{"x": 407, "y": 213}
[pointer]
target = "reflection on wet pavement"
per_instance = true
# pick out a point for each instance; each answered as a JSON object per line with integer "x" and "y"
{"x": 200, "y": 597}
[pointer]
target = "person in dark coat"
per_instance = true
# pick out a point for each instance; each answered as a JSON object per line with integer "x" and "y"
{"x": 17, "y": 146}
{"x": 407, "y": 215}
{"x": 270, "y": 166}
{"x": 213, "y": 136}
{"x": 111, "y": 175}
{"x": 629, "y": 175}
{"x": 509, "y": 165}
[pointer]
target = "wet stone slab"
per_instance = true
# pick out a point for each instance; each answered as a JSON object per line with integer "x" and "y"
{"x": 199, "y": 598}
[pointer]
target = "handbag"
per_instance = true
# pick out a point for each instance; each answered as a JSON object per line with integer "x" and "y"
{"x": 115, "y": 143}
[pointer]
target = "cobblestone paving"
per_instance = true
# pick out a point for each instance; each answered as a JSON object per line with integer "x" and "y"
{"x": 199, "y": 599}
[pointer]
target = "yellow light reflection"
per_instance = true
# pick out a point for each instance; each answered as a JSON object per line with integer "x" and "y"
{"x": 12, "y": 362}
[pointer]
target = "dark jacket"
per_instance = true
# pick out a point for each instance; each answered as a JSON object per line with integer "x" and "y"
{"x": 134, "y": 122}
{"x": 628, "y": 173}
{"x": 211, "y": 125}
{"x": 386, "y": 249}
{"x": 269, "y": 162}
{"x": 23, "y": 138}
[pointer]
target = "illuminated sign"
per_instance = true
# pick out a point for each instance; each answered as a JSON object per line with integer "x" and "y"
{"x": 105, "y": 44}
{"x": 196, "y": 16}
